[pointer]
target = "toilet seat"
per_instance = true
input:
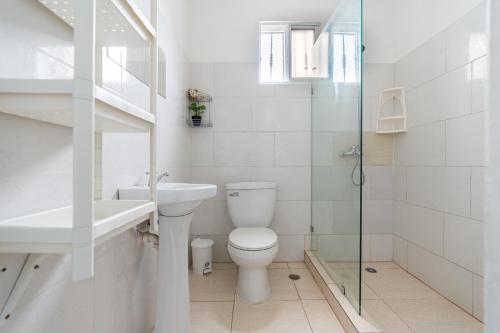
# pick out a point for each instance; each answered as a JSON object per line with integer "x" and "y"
{"x": 253, "y": 239}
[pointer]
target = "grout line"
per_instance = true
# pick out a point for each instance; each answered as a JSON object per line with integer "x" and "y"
{"x": 234, "y": 305}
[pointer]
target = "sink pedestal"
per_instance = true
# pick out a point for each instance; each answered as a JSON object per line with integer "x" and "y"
{"x": 172, "y": 305}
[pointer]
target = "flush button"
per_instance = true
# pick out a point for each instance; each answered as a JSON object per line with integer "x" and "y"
{"x": 234, "y": 194}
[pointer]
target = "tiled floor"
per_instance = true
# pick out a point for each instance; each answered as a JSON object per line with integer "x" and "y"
{"x": 399, "y": 303}
{"x": 293, "y": 307}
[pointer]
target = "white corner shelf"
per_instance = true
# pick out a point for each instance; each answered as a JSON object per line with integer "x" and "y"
{"x": 392, "y": 123}
{"x": 52, "y": 231}
{"x": 51, "y": 101}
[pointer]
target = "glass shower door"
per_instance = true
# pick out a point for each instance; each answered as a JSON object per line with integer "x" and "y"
{"x": 336, "y": 151}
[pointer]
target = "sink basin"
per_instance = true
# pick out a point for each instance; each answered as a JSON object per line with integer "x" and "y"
{"x": 174, "y": 199}
{"x": 176, "y": 204}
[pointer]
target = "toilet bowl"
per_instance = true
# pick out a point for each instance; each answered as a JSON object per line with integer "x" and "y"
{"x": 252, "y": 245}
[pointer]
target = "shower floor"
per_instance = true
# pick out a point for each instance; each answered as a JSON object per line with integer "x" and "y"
{"x": 398, "y": 302}
{"x": 293, "y": 307}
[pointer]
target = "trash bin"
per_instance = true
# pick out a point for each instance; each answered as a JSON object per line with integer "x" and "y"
{"x": 202, "y": 255}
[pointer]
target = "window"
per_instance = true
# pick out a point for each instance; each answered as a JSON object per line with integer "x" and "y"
{"x": 344, "y": 57}
{"x": 288, "y": 52}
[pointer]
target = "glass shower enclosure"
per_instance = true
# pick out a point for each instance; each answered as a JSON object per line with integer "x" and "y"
{"x": 337, "y": 171}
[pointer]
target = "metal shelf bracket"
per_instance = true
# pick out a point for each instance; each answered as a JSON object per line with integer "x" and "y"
{"x": 31, "y": 265}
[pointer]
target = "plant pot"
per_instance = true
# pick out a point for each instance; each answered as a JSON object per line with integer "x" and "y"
{"x": 196, "y": 120}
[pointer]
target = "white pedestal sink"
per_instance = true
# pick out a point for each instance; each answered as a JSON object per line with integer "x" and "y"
{"x": 176, "y": 203}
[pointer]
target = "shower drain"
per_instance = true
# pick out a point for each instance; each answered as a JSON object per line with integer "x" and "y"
{"x": 370, "y": 270}
{"x": 294, "y": 277}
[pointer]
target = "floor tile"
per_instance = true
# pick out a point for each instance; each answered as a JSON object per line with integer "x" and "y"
{"x": 321, "y": 317}
{"x": 276, "y": 265}
{"x": 434, "y": 316}
{"x": 380, "y": 265}
{"x": 398, "y": 284}
{"x": 380, "y": 315}
{"x": 270, "y": 317}
{"x": 306, "y": 286}
{"x": 225, "y": 265}
{"x": 292, "y": 265}
{"x": 210, "y": 317}
{"x": 220, "y": 285}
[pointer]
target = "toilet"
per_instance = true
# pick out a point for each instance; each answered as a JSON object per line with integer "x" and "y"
{"x": 252, "y": 245}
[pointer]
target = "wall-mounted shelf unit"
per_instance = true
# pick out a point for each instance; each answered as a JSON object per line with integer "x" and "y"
{"x": 52, "y": 101}
{"x": 84, "y": 105}
{"x": 392, "y": 118}
{"x": 206, "y": 120}
{"x": 52, "y": 231}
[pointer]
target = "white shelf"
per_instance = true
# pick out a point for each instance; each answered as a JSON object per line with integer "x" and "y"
{"x": 52, "y": 101}
{"x": 52, "y": 231}
{"x": 392, "y": 123}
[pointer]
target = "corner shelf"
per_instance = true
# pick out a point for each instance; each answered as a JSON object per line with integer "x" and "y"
{"x": 392, "y": 123}
{"x": 51, "y": 101}
{"x": 51, "y": 231}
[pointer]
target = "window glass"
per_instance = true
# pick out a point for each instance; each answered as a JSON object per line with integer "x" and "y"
{"x": 302, "y": 42}
{"x": 344, "y": 58}
{"x": 272, "y": 56}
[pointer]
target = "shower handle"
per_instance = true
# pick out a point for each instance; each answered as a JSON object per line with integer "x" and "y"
{"x": 354, "y": 151}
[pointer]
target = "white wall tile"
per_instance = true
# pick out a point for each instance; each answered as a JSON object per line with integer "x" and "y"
{"x": 477, "y": 193}
{"x": 377, "y": 217}
{"x": 232, "y": 114}
{"x": 202, "y": 75}
{"x": 445, "y": 189}
{"x": 282, "y": 114}
{"x": 378, "y": 184}
{"x": 464, "y": 141}
{"x": 454, "y": 92}
{"x": 479, "y": 82}
{"x": 424, "y": 63}
{"x": 421, "y": 226}
{"x": 323, "y": 177}
{"x": 447, "y": 278}
{"x": 463, "y": 242}
{"x": 291, "y": 248}
{"x": 399, "y": 183}
{"x": 346, "y": 217}
{"x": 293, "y": 149}
{"x": 466, "y": 39}
{"x": 422, "y": 145}
{"x": 293, "y": 217}
{"x": 400, "y": 252}
{"x": 377, "y": 77}
{"x": 202, "y": 148}
{"x": 478, "y": 298}
{"x": 323, "y": 217}
{"x": 322, "y": 148}
{"x": 381, "y": 247}
{"x": 293, "y": 182}
{"x": 239, "y": 80}
{"x": 243, "y": 149}
{"x": 294, "y": 90}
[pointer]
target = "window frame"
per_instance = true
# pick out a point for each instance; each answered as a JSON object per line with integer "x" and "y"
{"x": 287, "y": 27}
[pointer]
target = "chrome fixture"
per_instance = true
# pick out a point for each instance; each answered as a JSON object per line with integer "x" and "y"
{"x": 158, "y": 177}
{"x": 355, "y": 152}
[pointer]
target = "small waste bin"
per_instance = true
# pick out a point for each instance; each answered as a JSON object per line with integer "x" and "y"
{"x": 202, "y": 255}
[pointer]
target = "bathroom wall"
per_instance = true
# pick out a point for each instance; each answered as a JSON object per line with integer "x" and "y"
{"x": 439, "y": 162}
{"x": 36, "y": 174}
{"x": 261, "y": 132}
{"x": 492, "y": 184}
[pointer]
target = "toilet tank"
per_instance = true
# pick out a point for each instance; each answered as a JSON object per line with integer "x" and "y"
{"x": 251, "y": 204}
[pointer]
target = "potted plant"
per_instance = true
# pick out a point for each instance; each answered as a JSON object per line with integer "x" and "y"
{"x": 197, "y": 111}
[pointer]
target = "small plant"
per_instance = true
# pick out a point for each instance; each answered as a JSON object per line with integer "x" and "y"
{"x": 197, "y": 111}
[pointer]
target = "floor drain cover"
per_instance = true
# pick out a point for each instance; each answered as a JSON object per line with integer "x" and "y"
{"x": 371, "y": 270}
{"x": 294, "y": 276}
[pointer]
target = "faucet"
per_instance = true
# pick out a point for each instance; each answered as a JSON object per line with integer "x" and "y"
{"x": 158, "y": 177}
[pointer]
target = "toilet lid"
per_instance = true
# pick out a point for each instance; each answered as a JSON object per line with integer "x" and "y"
{"x": 253, "y": 239}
